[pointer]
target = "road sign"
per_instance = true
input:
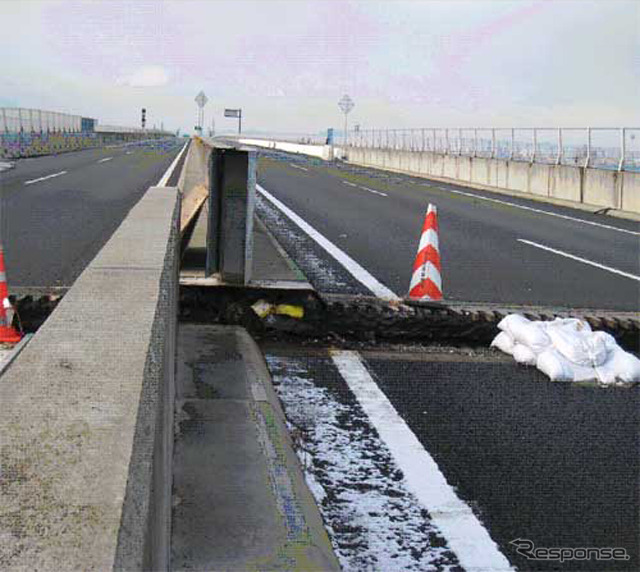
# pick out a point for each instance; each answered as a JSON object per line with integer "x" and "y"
{"x": 232, "y": 112}
{"x": 201, "y": 99}
{"x": 346, "y": 104}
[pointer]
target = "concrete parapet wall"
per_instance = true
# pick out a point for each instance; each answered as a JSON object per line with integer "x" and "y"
{"x": 618, "y": 191}
{"x": 22, "y": 144}
{"x": 321, "y": 151}
{"x": 86, "y": 410}
{"x": 631, "y": 192}
{"x": 566, "y": 183}
{"x": 539, "y": 179}
{"x": 602, "y": 188}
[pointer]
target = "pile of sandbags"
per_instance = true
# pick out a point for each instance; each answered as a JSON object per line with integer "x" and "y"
{"x": 566, "y": 349}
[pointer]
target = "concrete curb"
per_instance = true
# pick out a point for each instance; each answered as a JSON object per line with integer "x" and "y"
{"x": 240, "y": 497}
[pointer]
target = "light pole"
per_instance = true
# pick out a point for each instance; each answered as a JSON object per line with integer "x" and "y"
{"x": 346, "y": 105}
{"x": 201, "y": 99}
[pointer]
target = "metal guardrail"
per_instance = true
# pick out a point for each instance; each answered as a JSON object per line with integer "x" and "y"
{"x": 612, "y": 148}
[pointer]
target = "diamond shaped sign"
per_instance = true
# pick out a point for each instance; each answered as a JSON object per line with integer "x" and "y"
{"x": 201, "y": 99}
{"x": 346, "y": 104}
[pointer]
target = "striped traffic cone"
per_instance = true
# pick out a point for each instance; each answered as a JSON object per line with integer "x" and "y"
{"x": 8, "y": 334}
{"x": 426, "y": 281}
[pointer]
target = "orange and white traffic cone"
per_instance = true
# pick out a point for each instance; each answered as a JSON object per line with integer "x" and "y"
{"x": 426, "y": 280}
{"x": 8, "y": 334}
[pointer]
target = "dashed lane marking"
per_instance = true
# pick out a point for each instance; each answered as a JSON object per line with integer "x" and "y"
{"x": 540, "y": 211}
{"x": 365, "y": 188}
{"x": 45, "y": 178}
{"x": 105, "y": 159}
{"x": 374, "y": 191}
{"x": 580, "y": 259}
{"x": 298, "y": 167}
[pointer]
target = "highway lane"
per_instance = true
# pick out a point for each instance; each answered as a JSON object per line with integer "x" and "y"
{"x": 494, "y": 248}
{"x": 53, "y": 226}
{"x": 552, "y": 463}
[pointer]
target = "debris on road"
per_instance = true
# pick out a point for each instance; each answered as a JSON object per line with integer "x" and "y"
{"x": 264, "y": 309}
{"x": 566, "y": 350}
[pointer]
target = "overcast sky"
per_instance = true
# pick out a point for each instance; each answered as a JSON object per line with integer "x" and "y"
{"x": 405, "y": 64}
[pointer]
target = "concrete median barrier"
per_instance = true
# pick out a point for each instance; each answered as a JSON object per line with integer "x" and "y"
{"x": 86, "y": 410}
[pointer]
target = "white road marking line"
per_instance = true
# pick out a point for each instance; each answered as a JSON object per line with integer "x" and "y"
{"x": 609, "y": 227}
{"x": 373, "y": 191}
{"x": 128, "y": 152}
{"x": 165, "y": 178}
{"x": 466, "y": 536}
{"x": 580, "y": 259}
{"x": 298, "y": 167}
{"x": 364, "y": 188}
{"x": 45, "y": 178}
{"x": 105, "y": 159}
{"x": 357, "y": 271}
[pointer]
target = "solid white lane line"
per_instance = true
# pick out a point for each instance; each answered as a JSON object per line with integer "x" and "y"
{"x": 566, "y": 217}
{"x": 298, "y": 167}
{"x": 350, "y": 184}
{"x": 165, "y": 178}
{"x": 464, "y": 533}
{"x": 105, "y": 159}
{"x": 373, "y": 191}
{"x": 45, "y": 178}
{"x": 357, "y": 271}
{"x": 580, "y": 259}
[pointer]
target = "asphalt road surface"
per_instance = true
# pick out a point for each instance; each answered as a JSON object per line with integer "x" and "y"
{"x": 494, "y": 248}
{"x": 59, "y": 210}
{"x": 552, "y": 464}
{"x": 546, "y": 464}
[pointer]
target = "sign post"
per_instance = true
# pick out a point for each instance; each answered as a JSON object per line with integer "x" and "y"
{"x": 235, "y": 113}
{"x": 201, "y": 99}
{"x": 346, "y": 105}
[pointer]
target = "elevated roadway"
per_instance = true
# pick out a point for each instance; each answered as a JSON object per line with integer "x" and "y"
{"x": 493, "y": 248}
{"x": 59, "y": 210}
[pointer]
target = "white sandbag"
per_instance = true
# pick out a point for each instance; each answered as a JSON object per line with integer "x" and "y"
{"x": 571, "y": 323}
{"x": 532, "y": 335}
{"x": 582, "y": 347}
{"x": 504, "y": 342}
{"x": 566, "y": 349}
{"x": 509, "y": 322}
{"x": 524, "y": 355}
{"x": 621, "y": 366}
{"x": 551, "y": 363}
{"x": 559, "y": 368}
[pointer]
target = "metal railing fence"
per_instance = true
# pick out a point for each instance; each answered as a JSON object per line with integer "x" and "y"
{"x": 614, "y": 148}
